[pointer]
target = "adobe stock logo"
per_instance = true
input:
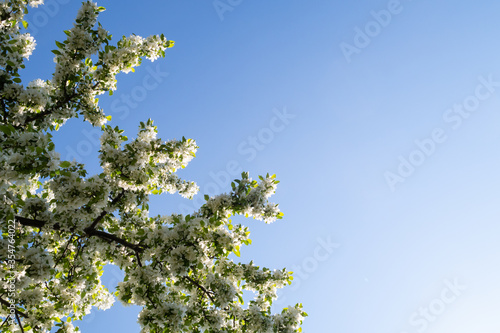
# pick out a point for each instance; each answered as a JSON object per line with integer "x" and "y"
{"x": 253, "y": 144}
{"x": 109, "y": 280}
{"x": 249, "y": 147}
{"x": 43, "y": 14}
{"x": 454, "y": 116}
{"x": 121, "y": 106}
{"x": 309, "y": 265}
{"x": 407, "y": 165}
{"x": 372, "y": 29}
{"x": 223, "y": 6}
{"x": 421, "y": 319}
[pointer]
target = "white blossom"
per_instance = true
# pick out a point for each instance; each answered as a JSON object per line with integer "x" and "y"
{"x": 70, "y": 224}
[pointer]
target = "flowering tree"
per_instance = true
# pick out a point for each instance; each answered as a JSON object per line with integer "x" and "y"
{"x": 60, "y": 226}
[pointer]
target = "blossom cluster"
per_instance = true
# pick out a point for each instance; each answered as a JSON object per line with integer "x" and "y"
{"x": 147, "y": 163}
{"x": 180, "y": 269}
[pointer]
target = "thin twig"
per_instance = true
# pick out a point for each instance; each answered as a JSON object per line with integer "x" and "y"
{"x": 104, "y": 212}
{"x": 201, "y": 288}
{"x": 6, "y": 318}
{"x": 65, "y": 249}
{"x": 7, "y": 304}
{"x": 138, "y": 258}
{"x": 105, "y": 235}
{"x": 19, "y": 322}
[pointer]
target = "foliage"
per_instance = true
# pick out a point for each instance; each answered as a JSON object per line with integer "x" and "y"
{"x": 60, "y": 226}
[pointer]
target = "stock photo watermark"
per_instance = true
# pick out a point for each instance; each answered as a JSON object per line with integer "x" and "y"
{"x": 10, "y": 278}
{"x": 129, "y": 101}
{"x": 424, "y": 316}
{"x": 253, "y": 144}
{"x": 454, "y": 117}
{"x": 223, "y": 6}
{"x": 121, "y": 106}
{"x": 363, "y": 36}
{"x": 324, "y": 249}
{"x": 248, "y": 148}
{"x": 44, "y": 14}
{"x": 110, "y": 280}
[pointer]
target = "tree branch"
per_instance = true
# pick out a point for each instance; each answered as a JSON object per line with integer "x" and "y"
{"x": 6, "y": 318}
{"x": 19, "y": 322}
{"x": 39, "y": 224}
{"x": 90, "y": 232}
{"x": 201, "y": 288}
{"x": 65, "y": 249}
{"x": 34, "y": 223}
{"x": 49, "y": 110}
{"x": 111, "y": 237}
{"x": 104, "y": 212}
{"x": 59, "y": 104}
{"x": 7, "y": 304}
{"x": 4, "y": 109}
{"x": 138, "y": 258}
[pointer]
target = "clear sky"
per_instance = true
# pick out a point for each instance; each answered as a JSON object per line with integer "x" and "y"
{"x": 380, "y": 118}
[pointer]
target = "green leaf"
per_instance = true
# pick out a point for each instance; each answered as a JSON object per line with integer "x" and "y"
{"x": 60, "y": 45}
{"x": 236, "y": 251}
{"x": 25, "y": 25}
{"x": 6, "y": 129}
{"x": 65, "y": 164}
{"x": 17, "y": 80}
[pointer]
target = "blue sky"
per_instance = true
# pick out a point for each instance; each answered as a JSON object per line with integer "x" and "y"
{"x": 389, "y": 226}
